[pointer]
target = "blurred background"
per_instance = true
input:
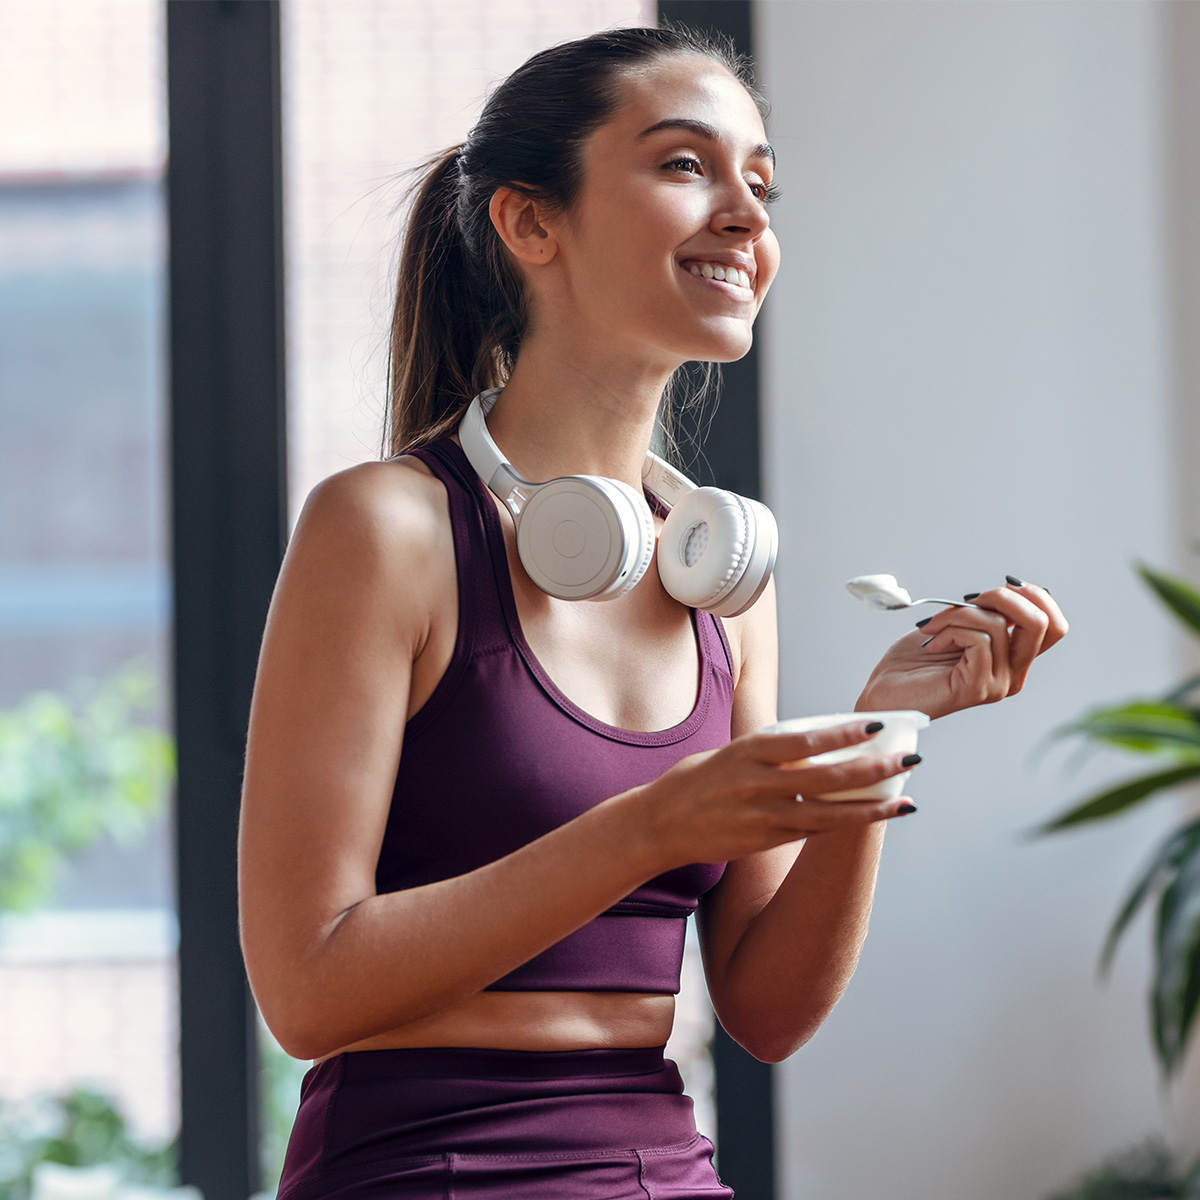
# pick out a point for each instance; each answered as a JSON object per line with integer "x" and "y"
{"x": 980, "y": 358}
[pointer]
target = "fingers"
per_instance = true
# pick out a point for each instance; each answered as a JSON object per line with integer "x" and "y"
{"x": 792, "y": 747}
{"x": 1056, "y": 623}
{"x": 980, "y": 635}
{"x": 1029, "y": 623}
{"x": 810, "y": 817}
{"x": 734, "y": 803}
{"x": 977, "y": 677}
{"x": 813, "y": 779}
{"x": 1033, "y": 623}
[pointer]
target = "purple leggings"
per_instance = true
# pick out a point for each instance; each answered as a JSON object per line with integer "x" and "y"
{"x": 462, "y": 1124}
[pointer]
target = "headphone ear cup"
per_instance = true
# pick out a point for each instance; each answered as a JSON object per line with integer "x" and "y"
{"x": 762, "y": 549}
{"x": 717, "y": 550}
{"x": 585, "y": 537}
{"x": 640, "y": 540}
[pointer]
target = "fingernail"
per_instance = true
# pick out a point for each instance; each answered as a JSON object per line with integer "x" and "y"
{"x": 874, "y": 727}
{"x": 905, "y": 809}
{"x": 1013, "y": 581}
{"x": 922, "y": 624}
{"x": 910, "y": 760}
{"x": 927, "y": 641}
{"x": 971, "y": 596}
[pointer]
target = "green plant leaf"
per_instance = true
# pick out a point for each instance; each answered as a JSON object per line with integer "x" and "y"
{"x": 1122, "y": 797}
{"x": 1170, "y": 854}
{"x": 1146, "y": 727}
{"x": 1177, "y": 594}
{"x": 1175, "y": 986}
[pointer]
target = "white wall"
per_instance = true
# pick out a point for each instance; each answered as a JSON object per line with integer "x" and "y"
{"x": 969, "y": 373}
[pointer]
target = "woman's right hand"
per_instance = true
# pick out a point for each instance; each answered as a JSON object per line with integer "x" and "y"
{"x": 759, "y": 791}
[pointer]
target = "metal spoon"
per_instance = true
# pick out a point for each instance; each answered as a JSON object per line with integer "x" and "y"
{"x": 884, "y": 594}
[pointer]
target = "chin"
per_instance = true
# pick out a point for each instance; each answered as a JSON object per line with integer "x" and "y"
{"x": 717, "y": 343}
{"x": 725, "y": 349}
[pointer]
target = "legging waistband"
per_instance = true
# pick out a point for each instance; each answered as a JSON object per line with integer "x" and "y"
{"x": 466, "y": 1062}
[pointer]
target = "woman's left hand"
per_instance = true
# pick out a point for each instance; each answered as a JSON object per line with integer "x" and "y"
{"x": 967, "y": 656}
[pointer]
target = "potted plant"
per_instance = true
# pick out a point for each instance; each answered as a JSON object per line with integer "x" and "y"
{"x": 1145, "y": 1172}
{"x": 1167, "y": 730}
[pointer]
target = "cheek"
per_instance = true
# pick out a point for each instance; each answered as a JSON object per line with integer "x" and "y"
{"x": 641, "y": 222}
{"x": 621, "y": 237}
{"x": 631, "y": 260}
{"x": 767, "y": 256}
{"x": 650, "y": 236}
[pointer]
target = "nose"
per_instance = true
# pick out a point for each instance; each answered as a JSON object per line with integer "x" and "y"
{"x": 742, "y": 213}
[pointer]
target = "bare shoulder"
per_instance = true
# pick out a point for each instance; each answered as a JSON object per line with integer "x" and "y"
{"x": 376, "y": 537}
{"x": 377, "y": 504}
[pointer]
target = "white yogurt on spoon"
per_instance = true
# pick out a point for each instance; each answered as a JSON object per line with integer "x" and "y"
{"x": 882, "y": 592}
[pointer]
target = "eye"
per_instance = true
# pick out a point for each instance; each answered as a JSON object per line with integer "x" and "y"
{"x": 767, "y": 193}
{"x": 688, "y": 166}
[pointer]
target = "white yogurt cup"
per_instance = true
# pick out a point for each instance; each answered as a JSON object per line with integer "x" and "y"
{"x": 898, "y": 736}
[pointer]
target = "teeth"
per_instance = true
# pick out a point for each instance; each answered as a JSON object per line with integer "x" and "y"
{"x": 717, "y": 271}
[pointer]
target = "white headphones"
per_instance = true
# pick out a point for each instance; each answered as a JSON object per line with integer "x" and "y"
{"x": 588, "y": 537}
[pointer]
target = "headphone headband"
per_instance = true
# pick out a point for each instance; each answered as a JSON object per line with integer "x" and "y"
{"x": 484, "y": 455}
{"x": 661, "y": 479}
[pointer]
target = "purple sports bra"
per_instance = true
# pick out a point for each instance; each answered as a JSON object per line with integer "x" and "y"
{"x": 499, "y": 756}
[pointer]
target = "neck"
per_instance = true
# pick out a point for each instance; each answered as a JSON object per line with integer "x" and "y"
{"x": 563, "y": 414}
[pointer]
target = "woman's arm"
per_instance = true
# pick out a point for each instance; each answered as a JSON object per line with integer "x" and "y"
{"x": 783, "y": 930}
{"x": 331, "y": 962}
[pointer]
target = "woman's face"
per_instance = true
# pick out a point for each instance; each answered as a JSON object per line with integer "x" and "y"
{"x": 672, "y": 198}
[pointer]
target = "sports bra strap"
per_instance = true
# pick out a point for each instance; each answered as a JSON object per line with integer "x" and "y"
{"x": 481, "y": 618}
{"x": 716, "y": 644}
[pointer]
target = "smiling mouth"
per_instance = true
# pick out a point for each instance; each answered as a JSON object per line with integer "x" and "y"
{"x": 733, "y": 277}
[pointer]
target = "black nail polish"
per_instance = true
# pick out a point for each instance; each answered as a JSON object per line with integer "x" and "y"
{"x": 874, "y": 727}
{"x": 1013, "y": 581}
{"x": 971, "y": 596}
{"x": 927, "y": 641}
{"x": 905, "y": 809}
{"x": 910, "y": 760}
{"x": 922, "y": 624}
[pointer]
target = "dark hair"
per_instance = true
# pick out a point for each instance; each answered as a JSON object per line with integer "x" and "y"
{"x": 461, "y": 310}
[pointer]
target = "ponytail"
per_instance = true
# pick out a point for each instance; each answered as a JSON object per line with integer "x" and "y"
{"x": 449, "y": 339}
{"x": 461, "y": 309}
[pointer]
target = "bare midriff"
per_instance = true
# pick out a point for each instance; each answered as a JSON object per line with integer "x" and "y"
{"x": 536, "y": 1021}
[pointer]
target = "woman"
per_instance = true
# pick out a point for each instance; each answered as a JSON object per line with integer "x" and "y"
{"x": 476, "y": 815}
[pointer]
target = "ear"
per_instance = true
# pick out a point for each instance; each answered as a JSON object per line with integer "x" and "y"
{"x": 519, "y": 222}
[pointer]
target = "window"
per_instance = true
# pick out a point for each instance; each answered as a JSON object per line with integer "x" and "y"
{"x": 87, "y": 926}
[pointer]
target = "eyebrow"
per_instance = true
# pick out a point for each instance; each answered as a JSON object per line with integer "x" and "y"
{"x": 705, "y": 130}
